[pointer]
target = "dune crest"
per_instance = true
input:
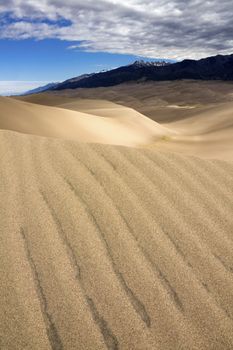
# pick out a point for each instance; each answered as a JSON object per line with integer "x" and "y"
{"x": 202, "y": 125}
{"x": 120, "y": 125}
{"x": 109, "y": 247}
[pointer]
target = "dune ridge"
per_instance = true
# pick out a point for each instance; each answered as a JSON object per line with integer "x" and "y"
{"x": 199, "y": 124}
{"x": 156, "y": 100}
{"x": 115, "y": 125}
{"x": 109, "y": 247}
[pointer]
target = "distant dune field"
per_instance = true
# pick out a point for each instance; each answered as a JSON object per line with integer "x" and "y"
{"x": 113, "y": 235}
{"x": 164, "y": 102}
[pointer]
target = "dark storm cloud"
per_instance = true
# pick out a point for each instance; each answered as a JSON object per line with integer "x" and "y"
{"x": 161, "y": 28}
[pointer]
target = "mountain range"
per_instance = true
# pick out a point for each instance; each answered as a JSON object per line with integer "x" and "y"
{"x": 41, "y": 89}
{"x": 218, "y": 67}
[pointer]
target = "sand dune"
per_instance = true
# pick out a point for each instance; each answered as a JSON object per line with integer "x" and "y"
{"x": 111, "y": 247}
{"x": 107, "y": 247}
{"x": 153, "y": 99}
{"x": 207, "y": 134}
{"x": 197, "y": 125}
{"x": 122, "y": 126}
{"x": 212, "y": 119}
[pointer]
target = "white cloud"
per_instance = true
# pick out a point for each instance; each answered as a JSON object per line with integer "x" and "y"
{"x": 153, "y": 28}
{"x": 8, "y": 88}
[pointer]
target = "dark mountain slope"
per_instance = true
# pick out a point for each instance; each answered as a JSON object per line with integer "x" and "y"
{"x": 212, "y": 68}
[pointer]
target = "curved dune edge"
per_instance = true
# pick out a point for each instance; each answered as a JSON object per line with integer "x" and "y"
{"x": 108, "y": 247}
{"x": 119, "y": 125}
{"x": 206, "y": 133}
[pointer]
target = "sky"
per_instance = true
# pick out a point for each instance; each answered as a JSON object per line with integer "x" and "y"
{"x": 52, "y": 40}
{"x": 29, "y": 63}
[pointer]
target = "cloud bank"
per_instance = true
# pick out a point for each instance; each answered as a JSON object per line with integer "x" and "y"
{"x": 173, "y": 29}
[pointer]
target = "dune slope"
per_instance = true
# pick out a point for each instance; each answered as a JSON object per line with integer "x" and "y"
{"x": 157, "y": 100}
{"x": 121, "y": 125}
{"x": 203, "y": 128}
{"x": 207, "y": 134}
{"x": 107, "y": 247}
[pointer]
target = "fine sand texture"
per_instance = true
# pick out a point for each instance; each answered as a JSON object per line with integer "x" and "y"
{"x": 113, "y": 247}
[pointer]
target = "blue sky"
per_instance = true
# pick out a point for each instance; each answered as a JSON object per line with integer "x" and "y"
{"x": 34, "y": 63}
{"x": 52, "y": 60}
{"x": 51, "y": 40}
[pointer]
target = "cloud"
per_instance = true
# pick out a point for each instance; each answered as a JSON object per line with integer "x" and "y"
{"x": 8, "y": 88}
{"x": 173, "y": 29}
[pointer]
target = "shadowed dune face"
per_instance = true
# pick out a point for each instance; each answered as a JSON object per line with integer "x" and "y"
{"x": 107, "y": 247}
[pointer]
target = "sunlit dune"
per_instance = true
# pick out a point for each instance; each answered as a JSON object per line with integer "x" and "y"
{"x": 200, "y": 125}
{"x": 122, "y": 126}
{"x": 151, "y": 98}
{"x": 113, "y": 234}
